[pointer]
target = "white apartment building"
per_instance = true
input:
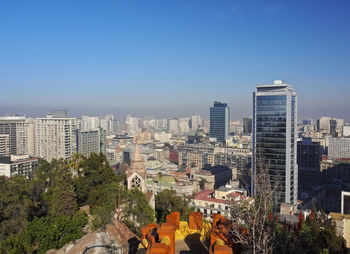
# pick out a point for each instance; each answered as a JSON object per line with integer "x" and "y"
{"x": 55, "y": 137}
{"x": 16, "y": 129}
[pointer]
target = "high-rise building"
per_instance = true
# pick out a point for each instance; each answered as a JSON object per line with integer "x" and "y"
{"x": 247, "y": 125}
{"x": 55, "y": 137}
{"x": 15, "y": 127}
{"x": 92, "y": 141}
{"x": 4, "y": 145}
{"x": 219, "y": 121}
{"x": 195, "y": 122}
{"x": 173, "y": 125}
{"x": 309, "y": 156}
{"x": 324, "y": 124}
{"x": 184, "y": 125}
{"x": 275, "y": 137}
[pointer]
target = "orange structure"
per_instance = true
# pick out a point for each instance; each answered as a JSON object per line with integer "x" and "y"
{"x": 196, "y": 221}
{"x": 161, "y": 239}
{"x": 221, "y": 230}
{"x": 158, "y": 248}
{"x": 174, "y": 218}
{"x": 146, "y": 231}
{"x": 168, "y": 230}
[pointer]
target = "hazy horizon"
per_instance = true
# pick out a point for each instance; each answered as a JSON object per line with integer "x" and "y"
{"x": 171, "y": 58}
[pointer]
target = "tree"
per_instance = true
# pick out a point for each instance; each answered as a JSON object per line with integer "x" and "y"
{"x": 167, "y": 201}
{"x": 253, "y": 224}
{"x": 62, "y": 198}
{"x": 136, "y": 212}
{"x": 14, "y": 205}
{"x": 95, "y": 171}
{"x": 313, "y": 235}
{"x": 53, "y": 232}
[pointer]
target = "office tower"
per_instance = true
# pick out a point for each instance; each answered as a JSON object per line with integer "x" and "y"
{"x": 92, "y": 141}
{"x": 324, "y": 124}
{"x": 308, "y": 158}
{"x": 55, "y": 137}
{"x": 4, "y": 145}
{"x": 274, "y": 136}
{"x": 15, "y": 127}
{"x": 339, "y": 148}
{"x": 247, "y": 125}
{"x": 219, "y": 121}
{"x": 195, "y": 122}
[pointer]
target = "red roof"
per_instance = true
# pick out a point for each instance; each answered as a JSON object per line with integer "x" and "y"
{"x": 233, "y": 194}
{"x": 205, "y": 195}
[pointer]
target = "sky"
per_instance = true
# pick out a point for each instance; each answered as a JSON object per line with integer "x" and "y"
{"x": 171, "y": 58}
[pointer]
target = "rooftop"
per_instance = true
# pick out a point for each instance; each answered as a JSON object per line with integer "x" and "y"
{"x": 206, "y": 195}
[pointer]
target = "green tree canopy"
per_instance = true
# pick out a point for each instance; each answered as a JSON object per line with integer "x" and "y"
{"x": 167, "y": 201}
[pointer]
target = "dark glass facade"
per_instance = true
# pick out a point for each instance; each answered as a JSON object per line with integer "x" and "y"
{"x": 219, "y": 121}
{"x": 274, "y": 134}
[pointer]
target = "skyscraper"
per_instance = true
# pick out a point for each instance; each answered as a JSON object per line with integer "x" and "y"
{"x": 274, "y": 136}
{"x": 219, "y": 121}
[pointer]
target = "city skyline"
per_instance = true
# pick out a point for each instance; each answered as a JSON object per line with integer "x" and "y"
{"x": 166, "y": 58}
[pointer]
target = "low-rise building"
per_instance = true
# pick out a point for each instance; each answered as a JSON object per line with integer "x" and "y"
{"x": 212, "y": 177}
{"x": 18, "y": 165}
{"x": 209, "y": 202}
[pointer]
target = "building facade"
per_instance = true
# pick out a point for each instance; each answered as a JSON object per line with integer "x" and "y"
{"x": 18, "y": 165}
{"x": 219, "y": 121}
{"x": 275, "y": 137}
{"x": 197, "y": 155}
{"x": 55, "y": 137}
{"x": 339, "y": 148}
{"x": 4, "y": 145}
{"x": 93, "y": 141}
{"x": 16, "y": 129}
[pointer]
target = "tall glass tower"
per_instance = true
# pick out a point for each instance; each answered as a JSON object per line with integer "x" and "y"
{"x": 219, "y": 121}
{"x": 275, "y": 136}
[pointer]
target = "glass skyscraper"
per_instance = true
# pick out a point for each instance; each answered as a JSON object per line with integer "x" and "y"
{"x": 219, "y": 121}
{"x": 275, "y": 136}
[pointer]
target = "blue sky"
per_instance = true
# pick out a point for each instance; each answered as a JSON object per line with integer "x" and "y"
{"x": 167, "y": 58}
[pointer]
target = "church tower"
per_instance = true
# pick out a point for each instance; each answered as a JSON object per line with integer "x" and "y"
{"x": 137, "y": 174}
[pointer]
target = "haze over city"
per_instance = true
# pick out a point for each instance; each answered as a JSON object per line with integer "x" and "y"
{"x": 171, "y": 58}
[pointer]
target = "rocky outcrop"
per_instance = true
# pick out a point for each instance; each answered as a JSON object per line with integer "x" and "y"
{"x": 115, "y": 236}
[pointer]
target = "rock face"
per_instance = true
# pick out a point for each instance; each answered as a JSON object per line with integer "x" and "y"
{"x": 115, "y": 236}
